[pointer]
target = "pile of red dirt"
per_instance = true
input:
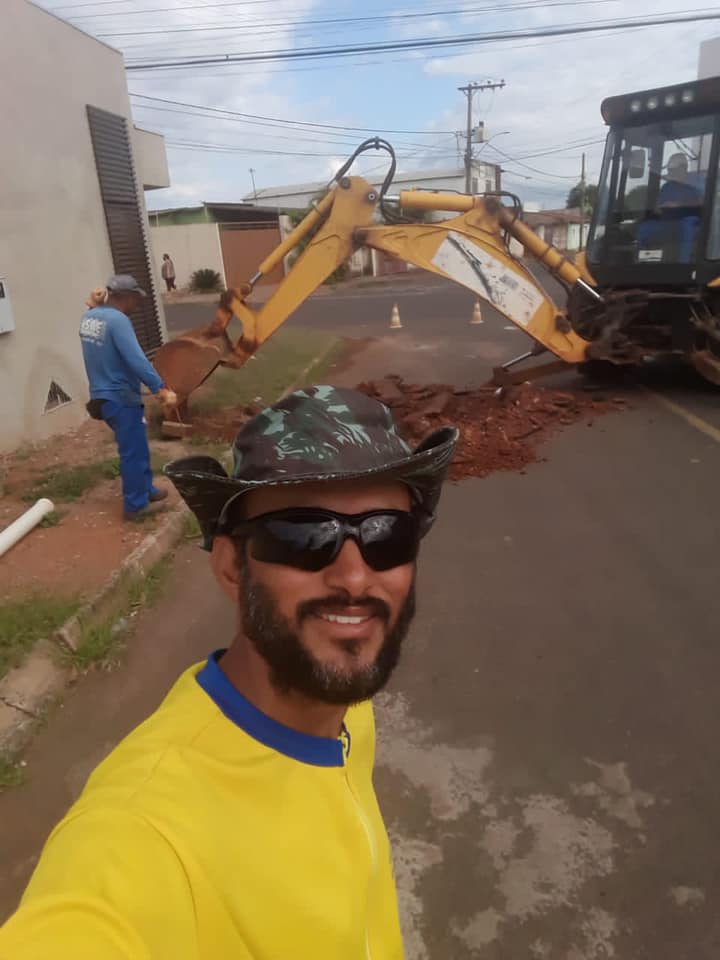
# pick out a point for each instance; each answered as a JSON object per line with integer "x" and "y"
{"x": 499, "y": 430}
{"x": 223, "y": 425}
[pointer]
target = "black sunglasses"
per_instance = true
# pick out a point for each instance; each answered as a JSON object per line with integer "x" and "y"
{"x": 310, "y": 539}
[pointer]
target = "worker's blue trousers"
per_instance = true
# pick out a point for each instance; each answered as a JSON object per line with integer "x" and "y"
{"x": 128, "y": 425}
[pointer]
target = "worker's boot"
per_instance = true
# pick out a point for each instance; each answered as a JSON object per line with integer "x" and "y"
{"x": 138, "y": 516}
{"x": 158, "y": 494}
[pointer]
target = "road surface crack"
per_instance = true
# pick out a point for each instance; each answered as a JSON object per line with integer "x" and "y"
{"x": 19, "y": 708}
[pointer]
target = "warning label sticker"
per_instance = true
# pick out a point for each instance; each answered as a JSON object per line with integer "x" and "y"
{"x": 489, "y": 277}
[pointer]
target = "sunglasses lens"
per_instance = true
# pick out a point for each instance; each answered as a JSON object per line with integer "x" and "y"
{"x": 311, "y": 541}
{"x": 304, "y": 544}
{"x": 389, "y": 540}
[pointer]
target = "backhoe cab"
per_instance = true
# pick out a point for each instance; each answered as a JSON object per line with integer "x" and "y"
{"x": 654, "y": 243}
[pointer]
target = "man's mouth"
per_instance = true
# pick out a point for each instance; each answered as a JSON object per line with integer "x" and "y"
{"x": 339, "y": 618}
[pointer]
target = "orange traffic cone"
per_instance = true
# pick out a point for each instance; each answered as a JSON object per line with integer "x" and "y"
{"x": 395, "y": 323}
{"x": 476, "y": 315}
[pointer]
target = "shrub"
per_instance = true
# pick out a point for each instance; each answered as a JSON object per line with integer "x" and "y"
{"x": 205, "y": 280}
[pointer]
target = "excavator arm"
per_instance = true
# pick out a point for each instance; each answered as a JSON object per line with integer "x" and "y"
{"x": 470, "y": 248}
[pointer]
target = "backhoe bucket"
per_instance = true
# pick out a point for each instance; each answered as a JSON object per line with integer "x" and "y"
{"x": 187, "y": 361}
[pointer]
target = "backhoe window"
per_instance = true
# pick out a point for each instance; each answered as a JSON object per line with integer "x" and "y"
{"x": 714, "y": 236}
{"x": 652, "y": 193}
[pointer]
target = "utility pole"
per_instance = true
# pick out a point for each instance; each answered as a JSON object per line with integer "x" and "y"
{"x": 252, "y": 177}
{"x": 582, "y": 202}
{"x": 469, "y": 92}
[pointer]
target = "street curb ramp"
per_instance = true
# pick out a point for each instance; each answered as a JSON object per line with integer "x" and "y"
{"x": 31, "y": 689}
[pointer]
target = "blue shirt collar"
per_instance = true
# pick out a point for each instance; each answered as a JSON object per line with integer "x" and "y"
{"x": 318, "y": 751}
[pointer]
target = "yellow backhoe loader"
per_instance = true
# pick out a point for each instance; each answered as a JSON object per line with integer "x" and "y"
{"x": 648, "y": 285}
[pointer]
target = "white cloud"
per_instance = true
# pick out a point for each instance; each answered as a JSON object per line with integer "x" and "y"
{"x": 552, "y": 98}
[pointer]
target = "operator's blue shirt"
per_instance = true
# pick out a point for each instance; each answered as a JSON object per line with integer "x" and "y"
{"x": 114, "y": 361}
{"x": 681, "y": 196}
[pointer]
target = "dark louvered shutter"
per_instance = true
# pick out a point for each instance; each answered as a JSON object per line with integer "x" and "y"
{"x": 123, "y": 214}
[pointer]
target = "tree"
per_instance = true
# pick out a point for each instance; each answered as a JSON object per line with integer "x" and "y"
{"x": 574, "y": 198}
{"x": 636, "y": 199}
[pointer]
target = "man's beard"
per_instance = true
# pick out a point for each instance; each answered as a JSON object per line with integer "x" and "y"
{"x": 294, "y": 668}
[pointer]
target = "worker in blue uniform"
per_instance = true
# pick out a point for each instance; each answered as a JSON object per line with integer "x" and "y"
{"x": 116, "y": 368}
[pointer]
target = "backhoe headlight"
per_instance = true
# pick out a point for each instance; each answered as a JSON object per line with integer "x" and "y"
{"x": 636, "y": 106}
{"x": 652, "y": 103}
{"x": 687, "y": 96}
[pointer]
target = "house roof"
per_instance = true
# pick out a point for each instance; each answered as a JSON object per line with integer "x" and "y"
{"x": 217, "y": 206}
{"x": 553, "y": 217}
{"x": 320, "y": 186}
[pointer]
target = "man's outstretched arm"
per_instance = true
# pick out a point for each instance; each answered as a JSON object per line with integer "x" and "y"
{"x": 108, "y": 885}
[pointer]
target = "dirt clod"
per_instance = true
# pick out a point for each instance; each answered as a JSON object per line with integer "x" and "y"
{"x": 496, "y": 432}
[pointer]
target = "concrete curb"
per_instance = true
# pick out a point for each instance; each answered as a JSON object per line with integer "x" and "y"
{"x": 28, "y": 691}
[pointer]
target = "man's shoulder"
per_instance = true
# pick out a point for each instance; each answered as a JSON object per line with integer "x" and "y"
{"x": 104, "y": 312}
{"x": 149, "y": 753}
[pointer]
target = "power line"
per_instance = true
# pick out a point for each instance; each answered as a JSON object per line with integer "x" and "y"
{"x": 420, "y": 43}
{"x": 409, "y": 57}
{"x": 346, "y": 143}
{"x": 204, "y": 146}
{"x": 400, "y": 14}
{"x": 436, "y": 149}
{"x": 235, "y": 116}
{"x": 288, "y": 123}
{"x": 526, "y": 166}
{"x": 548, "y": 153}
{"x": 222, "y": 148}
{"x": 249, "y": 25}
{"x": 120, "y": 13}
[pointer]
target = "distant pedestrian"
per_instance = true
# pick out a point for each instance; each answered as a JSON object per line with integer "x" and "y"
{"x": 116, "y": 367}
{"x": 168, "y": 272}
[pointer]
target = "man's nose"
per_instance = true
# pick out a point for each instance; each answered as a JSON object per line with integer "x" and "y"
{"x": 349, "y": 571}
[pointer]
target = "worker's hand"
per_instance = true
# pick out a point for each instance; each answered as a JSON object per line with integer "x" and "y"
{"x": 168, "y": 398}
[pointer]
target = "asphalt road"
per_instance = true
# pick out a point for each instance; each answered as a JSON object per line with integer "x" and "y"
{"x": 546, "y": 756}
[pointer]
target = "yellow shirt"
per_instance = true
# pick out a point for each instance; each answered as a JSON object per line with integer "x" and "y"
{"x": 212, "y": 832}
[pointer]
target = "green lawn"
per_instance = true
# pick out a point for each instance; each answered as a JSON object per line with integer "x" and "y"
{"x": 62, "y": 484}
{"x": 277, "y": 365}
{"x": 23, "y": 622}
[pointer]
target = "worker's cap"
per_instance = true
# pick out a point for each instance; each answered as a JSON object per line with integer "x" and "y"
{"x": 322, "y": 433}
{"x": 124, "y": 283}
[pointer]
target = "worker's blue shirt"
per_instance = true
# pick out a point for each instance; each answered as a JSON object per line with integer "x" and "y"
{"x": 114, "y": 361}
{"x": 681, "y": 197}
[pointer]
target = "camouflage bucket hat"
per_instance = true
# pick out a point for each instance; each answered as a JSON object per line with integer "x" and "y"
{"x": 318, "y": 434}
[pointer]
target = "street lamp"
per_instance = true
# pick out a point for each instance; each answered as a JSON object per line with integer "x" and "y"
{"x": 503, "y": 133}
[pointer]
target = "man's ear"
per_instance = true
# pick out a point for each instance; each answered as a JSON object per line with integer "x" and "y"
{"x": 224, "y": 562}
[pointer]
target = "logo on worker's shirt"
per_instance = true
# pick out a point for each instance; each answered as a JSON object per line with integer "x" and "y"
{"x": 92, "y": 328}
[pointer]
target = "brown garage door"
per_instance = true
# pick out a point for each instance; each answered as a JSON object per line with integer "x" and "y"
{"x": 244, "y": 246}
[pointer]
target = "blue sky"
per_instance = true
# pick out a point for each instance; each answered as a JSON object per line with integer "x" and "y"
{"x": 544, "y": 118}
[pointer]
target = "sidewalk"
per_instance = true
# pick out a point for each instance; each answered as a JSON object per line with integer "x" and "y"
{"x": 264, "y": 291}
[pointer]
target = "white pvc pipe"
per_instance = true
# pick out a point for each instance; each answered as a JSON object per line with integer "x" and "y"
{"x": 24, "y": 524}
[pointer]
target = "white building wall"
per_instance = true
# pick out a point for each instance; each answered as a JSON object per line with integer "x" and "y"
{"x": 191, "y": 246}
{"x": 53, "y": 239}
{"x": 709, "y": 60}
{"x": 150, "y": 159}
